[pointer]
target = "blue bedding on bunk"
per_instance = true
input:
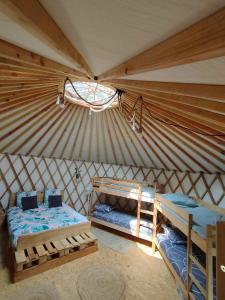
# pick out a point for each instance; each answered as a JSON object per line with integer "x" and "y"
{"x": 124, "y": 220}
{"x": 174, "y": 246}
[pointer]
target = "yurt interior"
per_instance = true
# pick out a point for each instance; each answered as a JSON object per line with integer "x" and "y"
{"x": 112, "y": 150}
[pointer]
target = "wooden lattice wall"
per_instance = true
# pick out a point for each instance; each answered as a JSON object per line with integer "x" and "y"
{"x": 29, "y": 172}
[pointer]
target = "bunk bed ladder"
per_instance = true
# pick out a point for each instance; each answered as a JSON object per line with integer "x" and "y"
{"x": 141, "y": 211}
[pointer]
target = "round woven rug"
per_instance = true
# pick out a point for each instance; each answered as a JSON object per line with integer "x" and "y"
{"x": 101, "y": 283}
{"x": 37, "y": 292}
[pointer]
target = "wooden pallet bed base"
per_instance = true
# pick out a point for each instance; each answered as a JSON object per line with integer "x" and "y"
{"x": 40, "y": 258}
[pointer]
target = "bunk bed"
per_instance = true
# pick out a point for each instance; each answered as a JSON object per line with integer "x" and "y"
{"x": 188, "y": 246}
{"x": 113, "y": 218}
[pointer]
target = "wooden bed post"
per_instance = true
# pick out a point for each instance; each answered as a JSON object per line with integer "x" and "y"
{"x": 209, "y": 262}
{"x": 220, "y": 260}
{"x": 155, "y": 218}
{"x": 189, "y": 256}
{"x": 139, "y": 210}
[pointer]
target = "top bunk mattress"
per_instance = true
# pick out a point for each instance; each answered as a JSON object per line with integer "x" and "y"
{"x": 202, "y": 216}
{"x": 40, "y": 219}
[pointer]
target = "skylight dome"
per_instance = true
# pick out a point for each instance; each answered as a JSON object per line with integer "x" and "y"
{"x": 91, "y": 94}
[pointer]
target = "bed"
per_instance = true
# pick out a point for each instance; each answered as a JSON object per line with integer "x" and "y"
{"x": 34, "y": 221}
{"x": 28, "y": 228}
{"x": 118, "y": 220}
{"x": 174, "y": 247}
{"x": 197, "y": 220}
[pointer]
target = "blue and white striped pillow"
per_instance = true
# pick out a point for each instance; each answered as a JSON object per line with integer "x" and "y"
{"x": 50, "y": 192}
{"x": 20, "y": 195}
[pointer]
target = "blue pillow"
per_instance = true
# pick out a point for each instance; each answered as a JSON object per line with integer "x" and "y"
{"x": 181, "y": 199}
{"x": 204, "y": 216}
{"x": 20, "y": 195}
{"x": 51, "y": 192}
{"x": 103, "y": 208}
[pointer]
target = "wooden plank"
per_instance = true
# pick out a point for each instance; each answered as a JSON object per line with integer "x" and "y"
{"x": 50, "y": 248}
{"x": 196, "y": 282}
{"x": 190, "y": 45}
{"x": 58, "y": 245}
{"x": 202, "y": 91}
{"x": 53, "y": 263}
{"x": 41, "y": 250}
{"x": 11, "y": 51}
{"x": 73, "y": 242}
{"x": 32, "y": 256}
{"x": 220, "y": 263}
{"x": 20, "y": 257}
{"x": 197, "y": 263}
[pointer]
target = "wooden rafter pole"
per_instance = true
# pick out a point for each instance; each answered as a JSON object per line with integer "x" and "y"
{"x": 16, "y": 53}
{"x": 201, "y": 41}
{"x": 205, "y": 91}
{"x": 32, "y": 16}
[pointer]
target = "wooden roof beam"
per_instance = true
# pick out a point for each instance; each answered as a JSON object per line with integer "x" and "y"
{"x": 201, "y": 41}
{"x": 33, "y": 17}
{"x": 205, "y": 91}
{"x": 16, "y": 53}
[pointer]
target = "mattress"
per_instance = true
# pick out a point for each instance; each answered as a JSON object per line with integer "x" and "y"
{"x": 174, "y": 247}
{"x": 124, "y": 220}
{"x": 40, "y": 219}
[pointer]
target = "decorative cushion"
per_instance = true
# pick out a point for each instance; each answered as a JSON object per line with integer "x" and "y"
{"x": 103, "y": 208}
{"x": 29, "y": 202}
{"x": 55, "y": 201}
{"x": 49, "y": 192}
{"x": 181, "y": 199}
{"x": 20, "y": 195}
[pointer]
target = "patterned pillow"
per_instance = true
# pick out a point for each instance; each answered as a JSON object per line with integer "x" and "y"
{"x": 20, "y": 195}
{"x": 51, "y": 192}
{"x": 103, "y": 208}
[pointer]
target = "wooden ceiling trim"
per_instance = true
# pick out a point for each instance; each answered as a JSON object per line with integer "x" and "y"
{"x": 22, "y": 113}
{"x": 132, "y": 136}
{"x": 54, "y": 118}
{"x": 177, "y": 119}
{"x": 204, "y": 104}
{"x": 10, "y": 97}
{"x": 60, "y": 137}
{"x": 184, "y": 143}
{"x": 21, "y": 89}
{"x": 32, "y": 16}
{"x": 201, "y": 41}
{"x": 204, "y": 91}
{"x": 79, "y": 126}
{"x": 65, "y": 117}
{"x": 122, "y": 138}
{"x": 214, "y": 120}
{"x": 200, "y": 145}
{"x": 156, "y": 152}
{"x": 110, "y": 137}
{"x": 149, "y": 126}
{"x": 85, "y": 127}
{"x": 27, "y": 121}
{"x": 113, "y": 131}
{"x": 128, "y": 130}
{"x": 68, "y": 129}
{"x": 183, "y": 120}
{"x": 13, "y": 52}
{"x": 24, "y": 103}
{"x": 32, "y": 122}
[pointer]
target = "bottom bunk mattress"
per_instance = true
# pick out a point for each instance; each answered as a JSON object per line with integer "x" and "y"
{"x": 174, "y": 245}
{"x": 40, "y": 219}
{"x": 126, "y": 221}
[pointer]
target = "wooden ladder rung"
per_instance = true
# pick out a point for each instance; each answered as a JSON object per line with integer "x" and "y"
{"x": 147, "y": 212}
{"x": 196, "y": 282}
{"x": 197, "y": 263}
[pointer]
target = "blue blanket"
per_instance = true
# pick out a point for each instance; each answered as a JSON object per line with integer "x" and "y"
{"x": 124, "y": 220}
{"x": 40, "y": 219}
{"x": 174, "y": 247}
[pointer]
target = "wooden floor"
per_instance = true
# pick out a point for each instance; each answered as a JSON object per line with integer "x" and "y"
{"x": 146, "y": 274}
